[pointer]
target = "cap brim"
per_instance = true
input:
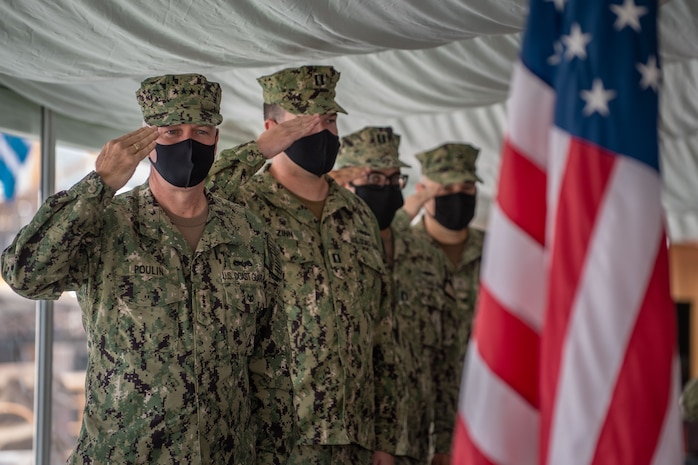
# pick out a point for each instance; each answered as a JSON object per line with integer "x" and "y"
{"x": 454, "y": 178}
{"x": 204, "y": 118}
{"x": 314, "y": 109}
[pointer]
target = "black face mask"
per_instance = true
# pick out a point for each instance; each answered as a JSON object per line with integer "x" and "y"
{"x": 383, "y": 200}
{"x": 455, "y": 211}
{"x": 315, "y": 154}
{"x": 185, "y": 163}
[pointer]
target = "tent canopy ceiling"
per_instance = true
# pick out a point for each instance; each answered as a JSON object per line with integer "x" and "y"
{"x": 435, "y": 71}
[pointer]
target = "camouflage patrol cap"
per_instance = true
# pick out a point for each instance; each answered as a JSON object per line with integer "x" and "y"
{"x": 450, "y": 163}
{"x": 371, "y": 146}
{"x": 305, "y": 90}
{"x": 180, "y": 99}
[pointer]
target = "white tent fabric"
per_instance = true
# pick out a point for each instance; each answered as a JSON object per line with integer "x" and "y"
{"x": 435, "y": 71}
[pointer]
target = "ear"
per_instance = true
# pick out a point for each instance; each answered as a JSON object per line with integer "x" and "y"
{"x": 269, "y": 123}
{"x": 215, "y": 143}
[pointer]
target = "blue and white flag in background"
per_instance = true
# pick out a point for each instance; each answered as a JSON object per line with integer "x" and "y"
{"x": 13, "y": 153}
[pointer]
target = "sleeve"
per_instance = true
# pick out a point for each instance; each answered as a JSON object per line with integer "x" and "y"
{"x": 447, "y": 376}
{"x": 233, "y": 168}
{"x": 272, "y": 403}
{"x": 52, "y": 253}
{"x": 386, "y": 368}
{"x": 401, "y": 221}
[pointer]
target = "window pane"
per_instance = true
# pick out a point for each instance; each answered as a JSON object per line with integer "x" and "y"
{"x": 17, "y": 315}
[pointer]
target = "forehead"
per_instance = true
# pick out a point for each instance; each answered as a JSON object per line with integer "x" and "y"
{"x": 386, "y": 171}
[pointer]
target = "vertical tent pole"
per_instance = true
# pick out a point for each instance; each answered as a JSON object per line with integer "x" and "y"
{"x": 44, "y": 310}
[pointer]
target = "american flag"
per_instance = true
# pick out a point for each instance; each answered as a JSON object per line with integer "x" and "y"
{"x": 573, "y": 358}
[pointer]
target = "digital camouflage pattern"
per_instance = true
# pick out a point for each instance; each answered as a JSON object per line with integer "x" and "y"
{"x": 235, "y": 167}
{"x": 419, "y": 301}
{"x": 313, "y": 455}
{"x": 689, "y": 401}
{"x": 421, "y": 306}
{"x": 335, "y": 293}
{"x": 450, "y": 163}
{"x": 465, "y": 282}
{"x": 186, "y": 349}
{"x": 462, "y": 285}
{"x": 371, "y": 146}
{"x": 305, "y": 90}
{"x": 180, "y": 99}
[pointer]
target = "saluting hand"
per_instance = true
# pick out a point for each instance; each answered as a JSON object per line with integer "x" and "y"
{"x": 119, "y": 158}
{"x": 280, "y": 136}
{"x": 414, "y": 202}
{"x": 345, "y": 175}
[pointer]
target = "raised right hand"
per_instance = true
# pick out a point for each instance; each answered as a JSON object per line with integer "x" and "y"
{"x": 119, "y": 158}
{"x": 413, "y": 204}
{"x": 345, "y": 175}
{"x": 280, "y": 136}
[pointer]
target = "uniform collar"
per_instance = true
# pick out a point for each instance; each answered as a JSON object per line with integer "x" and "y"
{"x": 275, "y": 193}
{"x": 473, "y": 244}
{"x": 153, "y": 222}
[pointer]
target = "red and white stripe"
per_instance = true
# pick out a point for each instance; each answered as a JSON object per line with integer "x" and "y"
{"x": 569, "y": 361}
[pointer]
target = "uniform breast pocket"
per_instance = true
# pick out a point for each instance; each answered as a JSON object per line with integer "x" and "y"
{"x": 303, "y": 272}
{"x": 363, "y": 265}
{"x": 150, "y": 313}
{"x": 419, "y": 312}
{"x": 245, "y": 302}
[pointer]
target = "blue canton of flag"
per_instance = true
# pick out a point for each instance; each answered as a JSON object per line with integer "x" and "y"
{"x": 591, "y": 63}
{"x": 13, "y": 153}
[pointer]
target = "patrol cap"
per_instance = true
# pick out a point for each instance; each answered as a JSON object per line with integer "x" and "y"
{"x": 450, "y": 163}
{"x": 180, "y": 99}
{"x": 371, "y": 146}
{"x": 305, "y": 90}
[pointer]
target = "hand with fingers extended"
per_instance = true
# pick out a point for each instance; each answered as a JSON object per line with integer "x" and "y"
{"x": 424, "y": 193}
{"x": 119, "y": 158}
{"x": 347, "y": 174}
{"x": 280, "y": 136}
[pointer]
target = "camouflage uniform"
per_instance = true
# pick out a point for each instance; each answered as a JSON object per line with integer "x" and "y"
{"x": 448, "y": 164}
{"x": 462, "y": 285}
{"x": 689, "y": 401}
{"x": 335, "y": 292}
{"x": 423, "y": 309}
{"x": 419, "y": 302}
{"x": 183, "y": 351}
